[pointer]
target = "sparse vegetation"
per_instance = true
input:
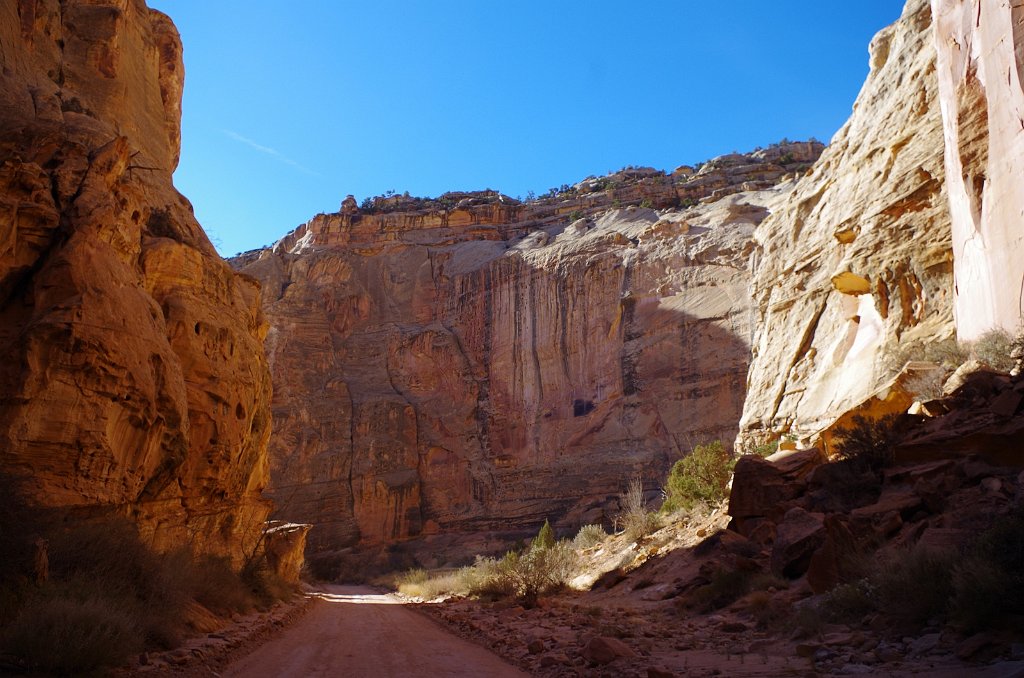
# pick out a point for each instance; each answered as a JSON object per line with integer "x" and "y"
{"x": 700, "y": 477}
{"x": 108, "y": 595}
{"x": 589, "y": 535}
{"x": 544, "y": 566}
{"x": 978, "y": 589}
{"x": 997, "y": 349}
{"x": 869, "y": 443}
{"x": 637, "y": 522}
{"x": 729, "y": 585}
{"x": 994, "y": 349}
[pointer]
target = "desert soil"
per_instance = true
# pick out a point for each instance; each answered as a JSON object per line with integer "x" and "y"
{"x": 354, "y": 631}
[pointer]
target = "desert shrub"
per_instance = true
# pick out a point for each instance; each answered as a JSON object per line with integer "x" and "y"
{"x": 216, "y": 586}
{"x": 70, "y": 636}
{"x": 766, "y": 449}
{"x": 265, "y": 585}
{"x": 589, "y": 535}
{"x": 947, "y": 353}
{"x": 543, "y": 567}
{"x": 915, "y": 585}
{"x": 994, "y": 348}
{"x": 637, "y": 521}
{"x": 926, "y": 385}
{"x": 534, "y": 572}
{"x": 767, "y": 610}
{"x": 700, "y": 477}
{"x": 869, "y": 443}
{"x": 106, "y": 562}
{"x": 103, "y": 576}
{"x": 989, "y": 583}
{"x": 728, "y": 585}
{"x": 848, "y": 603}
{"x": 419, "y": 583}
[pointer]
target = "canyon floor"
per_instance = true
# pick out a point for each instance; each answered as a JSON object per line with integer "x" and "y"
{"x": 356, "y": 631}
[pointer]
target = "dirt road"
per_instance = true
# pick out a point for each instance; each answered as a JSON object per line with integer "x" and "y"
{"x": 354, "y": 632}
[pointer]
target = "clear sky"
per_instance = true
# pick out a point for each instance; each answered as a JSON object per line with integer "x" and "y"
{"x": 291, "y": 105}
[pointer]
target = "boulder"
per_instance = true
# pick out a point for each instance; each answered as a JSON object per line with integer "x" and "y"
{"x": 759, "y": 487}
{"x": 827, "y": 566}
{"x": 799, "y": 535}
{"x": 284, "y": 546}
{"x": 605, "y": 650}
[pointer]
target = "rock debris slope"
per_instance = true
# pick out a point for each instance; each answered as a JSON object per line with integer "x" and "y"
{"x": 474, "y": 364}
{"x": 133, "y": 377}
{"x": 859, "y": 262}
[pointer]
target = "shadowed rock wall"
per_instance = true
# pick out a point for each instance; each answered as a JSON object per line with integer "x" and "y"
{"x": 133, "y": 377}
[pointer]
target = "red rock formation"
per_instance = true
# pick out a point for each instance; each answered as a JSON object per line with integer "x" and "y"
{"x": 980, "y": 65}
{"x": 133, "y": 377}
{"x": 473, "y": 364}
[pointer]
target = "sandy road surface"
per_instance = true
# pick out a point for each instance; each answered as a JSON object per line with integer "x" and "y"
{"x": 353, "y": 631}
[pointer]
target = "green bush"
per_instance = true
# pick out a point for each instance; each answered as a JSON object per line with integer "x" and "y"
{"x": 700, "y": 477}
{"x": 545, "y": 539}
{"x": 766, "y": 449}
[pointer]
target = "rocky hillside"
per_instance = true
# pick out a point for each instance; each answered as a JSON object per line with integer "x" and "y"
{"x": 474, "y": 364}
{"x": 133, "y": 378}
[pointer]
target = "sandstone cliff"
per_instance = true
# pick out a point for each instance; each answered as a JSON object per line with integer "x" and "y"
{"x": 859, "y": 262}
{"x": 980, "y": 46}
{"x": 472, "y": 364}
{"x": 133, "y": 377}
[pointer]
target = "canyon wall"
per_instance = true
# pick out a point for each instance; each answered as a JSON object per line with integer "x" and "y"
{"x": 980, "y": 47}
{"x": 133, "y": 378}
{"x": 859, "y": 262}
{"x": 475, "y": 365}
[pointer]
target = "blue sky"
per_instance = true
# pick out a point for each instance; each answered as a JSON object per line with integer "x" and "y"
{"x": 290, "y": 106}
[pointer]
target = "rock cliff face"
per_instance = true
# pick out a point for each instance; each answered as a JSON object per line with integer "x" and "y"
{"x": 980, "y": 46}
{"x": 859, "y": 262}
{"x": 133, "y": 377}
{"x": 473, "y": 364}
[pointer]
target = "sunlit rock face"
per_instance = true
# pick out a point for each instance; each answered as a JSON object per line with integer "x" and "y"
{"x": 860, "y": 260}
{"x": 980, "y": 46}
{"x": 133, "y": 378}
{"x": 483, "y": 366}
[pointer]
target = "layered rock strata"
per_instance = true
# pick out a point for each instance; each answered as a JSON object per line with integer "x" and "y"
{"x": 133, "y": 377}
{"x": 480, "y": 364}
{"x": 859, "y": 262}
{"x": 980, "y": 47}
